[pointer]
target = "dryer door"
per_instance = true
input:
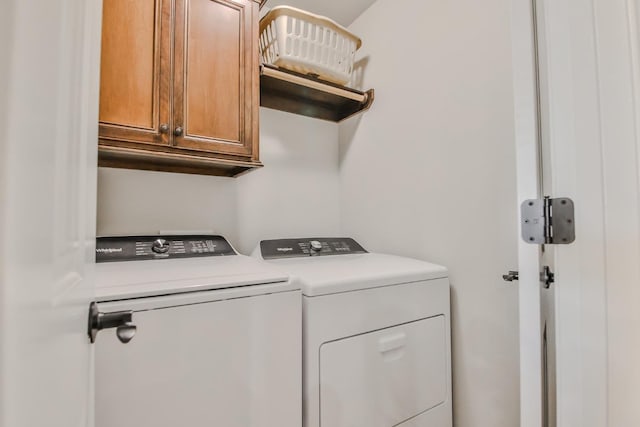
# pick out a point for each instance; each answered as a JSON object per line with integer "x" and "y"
{"x": 385, "y": 377}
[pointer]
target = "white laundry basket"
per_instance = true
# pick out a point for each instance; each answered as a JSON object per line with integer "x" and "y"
{"x": 310, "y": 44}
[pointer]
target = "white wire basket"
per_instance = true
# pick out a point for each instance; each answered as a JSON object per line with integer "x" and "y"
{"x": 300, "y": 41}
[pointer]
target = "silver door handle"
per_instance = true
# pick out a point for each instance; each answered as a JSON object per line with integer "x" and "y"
{"x": 121, "y": 320}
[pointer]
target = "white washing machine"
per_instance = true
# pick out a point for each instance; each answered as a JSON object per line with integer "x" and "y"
{"x": 203, "y": 336}
{"x": 376, "y": 334}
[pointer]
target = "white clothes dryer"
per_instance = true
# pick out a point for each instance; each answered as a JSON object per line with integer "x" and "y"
{"x": 212, "y": 338}
{"x": 376, "y": 334}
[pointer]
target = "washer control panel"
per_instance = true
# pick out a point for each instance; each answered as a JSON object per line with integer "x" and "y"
{"x": 133, "y": 248}
{"x": 310, "y": 246}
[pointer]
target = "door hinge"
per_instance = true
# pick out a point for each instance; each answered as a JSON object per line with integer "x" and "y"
{"x": 548, "y": 221}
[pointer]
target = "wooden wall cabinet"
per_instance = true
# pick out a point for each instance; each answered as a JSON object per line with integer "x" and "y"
{"x": 179, "y": 87}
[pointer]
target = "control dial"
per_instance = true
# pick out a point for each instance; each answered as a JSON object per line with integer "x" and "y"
{"x": 315, "y": 245}
{"x": 160, "y": 246}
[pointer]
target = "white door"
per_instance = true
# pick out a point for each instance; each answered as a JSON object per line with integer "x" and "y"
{"x": 589, "y": 59}
{"x": 48, "y": 132}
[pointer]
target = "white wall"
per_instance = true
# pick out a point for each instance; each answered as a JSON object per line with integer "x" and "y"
{"x": 6, "y": 33}
{"x": 340, "y": 11}
{"x": 296, "y": 193}
{"x": 143, "y": 202}
{"x": 429, "y": 172}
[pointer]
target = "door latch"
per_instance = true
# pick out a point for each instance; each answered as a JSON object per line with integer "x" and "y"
{"x": 510, "y": 276}
{"x": 121, "y": 320}
{"x": 547, "y": 277}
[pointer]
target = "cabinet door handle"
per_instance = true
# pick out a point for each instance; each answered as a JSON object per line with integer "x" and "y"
{"x": 164, "y": 128}
{"x": 177, "y": 131}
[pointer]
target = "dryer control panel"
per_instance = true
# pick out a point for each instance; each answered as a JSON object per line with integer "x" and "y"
{"x": 309, "y": 246}
{"x": 134, "y": 248}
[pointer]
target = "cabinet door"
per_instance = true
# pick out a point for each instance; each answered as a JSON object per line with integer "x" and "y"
{"x": 135, "y": 71}
{"x": 216, "y": 76}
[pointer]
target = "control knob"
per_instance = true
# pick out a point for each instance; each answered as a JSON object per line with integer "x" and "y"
{"x": 315, "y": 245}
{"x": 160, "y": 246}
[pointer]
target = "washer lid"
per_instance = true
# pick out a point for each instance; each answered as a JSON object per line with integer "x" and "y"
{"x": 125, "y": 280}
{"x": 333, "y": 274}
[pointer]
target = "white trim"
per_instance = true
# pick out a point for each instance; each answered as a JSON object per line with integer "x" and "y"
{"x": 633, "y": 14}
{"x": 526, "y": 136}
